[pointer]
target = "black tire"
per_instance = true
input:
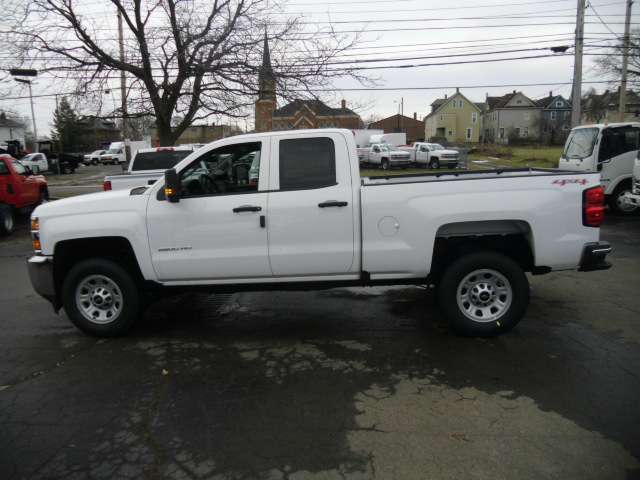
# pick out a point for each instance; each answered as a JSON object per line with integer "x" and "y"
{"x": 462, "y": 269}
{"x": 434, "y": 163}
{"x": 385, "y": 164}
{"x": 129, "y": 297}
{"x": 7, "y": 220}
{"x": 616, "y": 204}
{"x": 94, "y": 162}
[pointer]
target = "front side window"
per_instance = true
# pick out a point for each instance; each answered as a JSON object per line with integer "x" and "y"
{"x": 616, "y": 141}
{"x": 307, "y": 163}
{"x": 4, "y": 170}
{"x": 226, "y": 170}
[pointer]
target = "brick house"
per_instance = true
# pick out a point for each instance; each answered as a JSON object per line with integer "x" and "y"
{"x": 299, "y": 113}
{"x": 413, "y": 127}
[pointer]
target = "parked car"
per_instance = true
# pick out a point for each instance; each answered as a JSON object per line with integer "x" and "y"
{"x": 147, "y": 166}
{"x": 93, "y": 158}
{"x": 610, "y": 149}
{"x": 309, "y": 222}
{"x": 432, "y": 155}
{"x": 20, "y": 190}
{"x": 37, "y": 162}
{"x": 383, "y": 155}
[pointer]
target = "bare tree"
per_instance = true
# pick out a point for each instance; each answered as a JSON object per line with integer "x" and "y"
{"x": 185, "y": 60}
{"x": 611, "y": 63}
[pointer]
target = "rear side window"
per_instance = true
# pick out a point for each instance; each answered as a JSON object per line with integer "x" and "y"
{"x": 307, "y": 163}
{"x": 4, "y": 170}
{"x": 161, "y": 160}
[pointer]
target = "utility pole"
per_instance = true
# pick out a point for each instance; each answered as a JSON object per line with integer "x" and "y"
{"x": 123, "y": 87}
{"x": 625, "y": 61}
{"x": 576, "y": 92}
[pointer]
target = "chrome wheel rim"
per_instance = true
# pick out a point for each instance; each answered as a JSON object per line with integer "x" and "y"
{"x": 99, "y": 299}
{"x": 8, "y": 222}
{"x": 623, "y": 205}
{"x": 484, "y": 295}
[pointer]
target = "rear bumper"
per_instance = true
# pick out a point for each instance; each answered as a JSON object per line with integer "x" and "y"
{"x": 41, "y": 276}
{"x": 594, "y": 257}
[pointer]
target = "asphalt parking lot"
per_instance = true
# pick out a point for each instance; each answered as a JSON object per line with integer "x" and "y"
{"x": 345, "y": 383}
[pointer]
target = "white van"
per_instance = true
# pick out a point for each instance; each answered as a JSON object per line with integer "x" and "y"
{"x": 610, "y": 149}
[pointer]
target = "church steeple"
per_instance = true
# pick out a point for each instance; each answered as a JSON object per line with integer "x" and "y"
{"x": 266, "y": 77}
{"x": 266, "y": 104}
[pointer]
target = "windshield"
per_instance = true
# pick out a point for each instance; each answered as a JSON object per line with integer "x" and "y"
{"x": 384, "y": 148}
{"x": 97, "y": 152}
{"x": 28, "y": 157}
{"x": 160, "y": 160}
{"x": 436, "y": 146}
{"x": 580, "y": 143}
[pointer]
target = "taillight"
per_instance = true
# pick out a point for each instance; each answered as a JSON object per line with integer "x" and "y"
{"x": 106, "y": 185}
{"x": 593, "y": 207}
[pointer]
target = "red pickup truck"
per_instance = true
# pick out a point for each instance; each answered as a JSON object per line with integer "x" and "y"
{"x": 19, "y": 191}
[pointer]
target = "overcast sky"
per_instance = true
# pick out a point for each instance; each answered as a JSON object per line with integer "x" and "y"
{"x": 450, "y": 28}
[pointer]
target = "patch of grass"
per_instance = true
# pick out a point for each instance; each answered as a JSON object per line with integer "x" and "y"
{"x": 518, "y": 157}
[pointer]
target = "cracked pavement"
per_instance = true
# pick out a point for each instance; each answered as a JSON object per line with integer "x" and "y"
{"x": 347, "y": 383}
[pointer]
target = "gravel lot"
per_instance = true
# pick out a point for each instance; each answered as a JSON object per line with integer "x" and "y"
{"x": 344, "y": 383}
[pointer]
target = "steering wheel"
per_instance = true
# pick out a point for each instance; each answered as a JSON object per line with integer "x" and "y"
{"x": 208, "y": 184}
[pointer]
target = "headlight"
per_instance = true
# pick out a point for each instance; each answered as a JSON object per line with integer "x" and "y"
{"x": 35, "y": 234}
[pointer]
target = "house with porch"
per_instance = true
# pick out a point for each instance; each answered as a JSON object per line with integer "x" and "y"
{"x": 454, "y": 119}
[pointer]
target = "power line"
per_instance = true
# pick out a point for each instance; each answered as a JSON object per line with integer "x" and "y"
{"x": 357, "y": 89}
{"x": 602, "y": 21}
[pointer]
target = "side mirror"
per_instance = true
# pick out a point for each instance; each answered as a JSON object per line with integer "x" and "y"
{"x": 172, "y": 185}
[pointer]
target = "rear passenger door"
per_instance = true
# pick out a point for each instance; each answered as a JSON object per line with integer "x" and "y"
{"x": 310, "y": 218}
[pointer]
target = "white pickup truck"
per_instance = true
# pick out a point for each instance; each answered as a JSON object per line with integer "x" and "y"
{"x": 432, "y": 155}
{"x": 309, "y": 221}
{"x": 384, "y": 155}
{"x": 147, "y": 166}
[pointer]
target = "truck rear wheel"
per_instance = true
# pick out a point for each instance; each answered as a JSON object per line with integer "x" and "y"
{"x": 7, "y": 220}
{"x": 484, "y": 294}
{"x": 100, "y": 298}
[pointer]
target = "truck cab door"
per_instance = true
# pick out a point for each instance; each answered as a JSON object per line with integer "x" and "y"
{"x": 26, "y": 187}
{"x": 617, "y": 154}
{"x": 422, "y": 154}
{"x": 311, "y": 213}
{"x": 215, "y": 233}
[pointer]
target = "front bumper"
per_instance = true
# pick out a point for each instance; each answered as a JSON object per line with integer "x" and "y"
{"x": 41, "y": 276}
{"x": 632, "y": 198}
{"x": 594, "y": 257}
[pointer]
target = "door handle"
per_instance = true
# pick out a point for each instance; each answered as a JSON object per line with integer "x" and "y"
{"x": 247, "y": 208}
{"x": 332, "y": 203}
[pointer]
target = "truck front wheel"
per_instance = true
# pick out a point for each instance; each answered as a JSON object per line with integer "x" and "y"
{"x": 617, "y": 202}
{"x": 100, "y": 298}
{"x": 434, "y": 163}
{"x": 484, "y": 294}
{"x": 7, "y": 220}
{"x": 385, "y": 164}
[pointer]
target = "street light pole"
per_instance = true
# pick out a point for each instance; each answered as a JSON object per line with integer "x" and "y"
{"x": 33, "y": 115}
